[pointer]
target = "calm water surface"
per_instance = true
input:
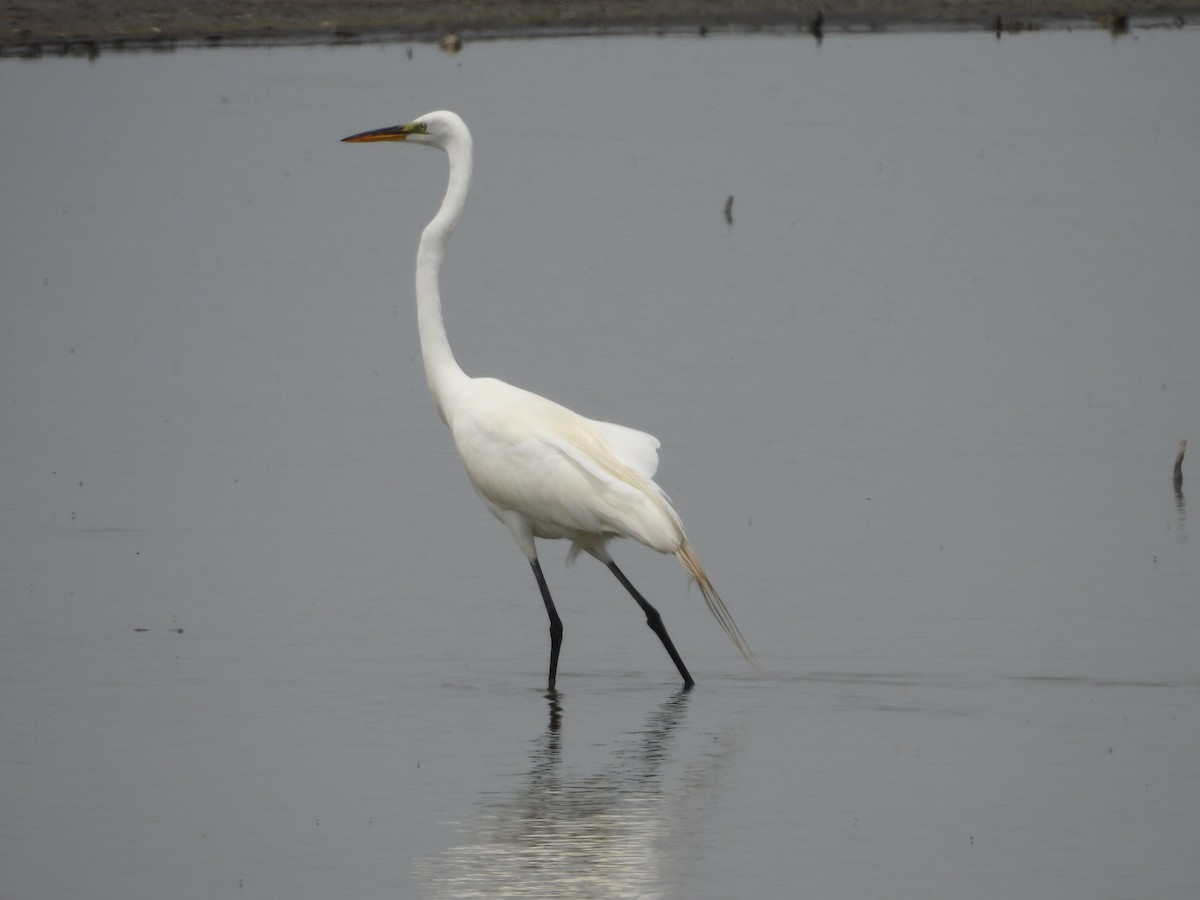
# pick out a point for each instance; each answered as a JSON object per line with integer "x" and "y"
{"x": 919, "y": 405}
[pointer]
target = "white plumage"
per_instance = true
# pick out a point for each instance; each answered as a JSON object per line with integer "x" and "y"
{"x": 542, "y": 469}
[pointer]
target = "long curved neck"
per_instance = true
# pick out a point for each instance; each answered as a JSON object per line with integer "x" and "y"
{"x": 446, "y": 379}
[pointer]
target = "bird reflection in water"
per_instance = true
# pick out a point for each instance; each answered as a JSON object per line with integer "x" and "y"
{"x": 564, "y": 835}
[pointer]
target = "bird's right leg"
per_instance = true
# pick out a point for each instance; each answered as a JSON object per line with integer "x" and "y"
{"x": 556, "y": 627}
{"x": 654, "y": 620}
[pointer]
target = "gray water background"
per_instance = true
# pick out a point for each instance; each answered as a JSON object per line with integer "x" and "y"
{"x": 918, "y": 403}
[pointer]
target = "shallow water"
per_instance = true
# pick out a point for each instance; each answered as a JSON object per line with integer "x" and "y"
{"x": 919, "y": 405}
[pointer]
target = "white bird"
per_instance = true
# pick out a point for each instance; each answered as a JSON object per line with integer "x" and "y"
{"x": 543, "y": 470}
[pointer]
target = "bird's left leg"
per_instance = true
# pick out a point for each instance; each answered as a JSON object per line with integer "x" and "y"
{"x": 654, "y": 620}
{"x": 556, "y": 626}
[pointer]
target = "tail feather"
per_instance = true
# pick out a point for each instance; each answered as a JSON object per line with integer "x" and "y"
{"x": 687, "y": 558}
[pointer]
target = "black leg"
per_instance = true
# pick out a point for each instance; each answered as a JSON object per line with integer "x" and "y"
{"x": 556, "y": 629}
{"x": 654, "y": 620}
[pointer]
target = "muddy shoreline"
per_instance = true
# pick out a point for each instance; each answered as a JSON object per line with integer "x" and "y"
{"x": 36, "y": 27}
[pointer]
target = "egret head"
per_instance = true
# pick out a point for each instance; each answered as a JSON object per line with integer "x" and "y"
{"x": 434, "y": 129}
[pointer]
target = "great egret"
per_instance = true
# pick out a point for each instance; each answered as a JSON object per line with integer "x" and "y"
{"x": 543, "y": 470}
